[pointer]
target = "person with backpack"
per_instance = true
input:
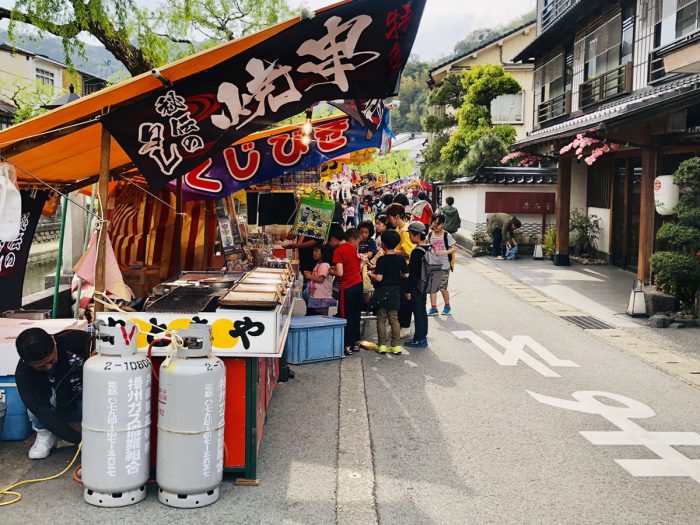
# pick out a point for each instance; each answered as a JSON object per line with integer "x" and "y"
{"x": 452, "y": 219}
{"x": 444, "y": 246}
{"x": 424, "y": 274}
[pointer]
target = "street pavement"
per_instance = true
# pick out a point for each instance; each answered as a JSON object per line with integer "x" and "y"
{"x": 513, "y": 415}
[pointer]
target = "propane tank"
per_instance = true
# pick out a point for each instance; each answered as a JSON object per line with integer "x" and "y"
{"x": 116, "y": 420}
{"x": 191, "y": 397}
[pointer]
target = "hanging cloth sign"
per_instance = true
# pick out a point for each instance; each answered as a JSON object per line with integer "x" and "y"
{"x": 353, "y": 50}
{"x": 249, "y": 163}
{"x": 314, "y": 216}
{"x": 14, "y": 254}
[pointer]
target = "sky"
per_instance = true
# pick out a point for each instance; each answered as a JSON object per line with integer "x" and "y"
{"x": 446, "y": 22}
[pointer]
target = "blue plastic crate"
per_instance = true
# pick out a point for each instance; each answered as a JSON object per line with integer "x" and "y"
{"x": 17, "y": 426}
{"x": 315, "y": 338}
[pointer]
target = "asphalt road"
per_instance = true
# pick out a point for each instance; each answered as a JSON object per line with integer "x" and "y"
{"x": 457, "y": 433}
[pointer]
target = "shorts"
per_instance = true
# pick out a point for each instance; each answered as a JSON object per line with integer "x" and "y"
{"x": 445, "y": 281}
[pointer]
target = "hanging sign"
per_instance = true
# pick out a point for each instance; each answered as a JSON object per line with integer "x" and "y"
{"x": 354, "y": 50}
{"x": 243, "y": 165}
{"x": 14, "y": 254}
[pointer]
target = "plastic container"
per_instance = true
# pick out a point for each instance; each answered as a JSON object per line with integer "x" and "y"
{"x": 3, "y": 411}
{"x": 17, "y": 426}
{"x": 315, "y": 338}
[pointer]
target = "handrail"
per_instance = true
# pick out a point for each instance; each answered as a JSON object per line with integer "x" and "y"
{"x": 555, "y": 107}
{"x": 615, "y": 82}
{"x": 553, "y": 11}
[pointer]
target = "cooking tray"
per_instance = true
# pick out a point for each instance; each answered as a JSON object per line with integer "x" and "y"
{"x": 250, "y": 299}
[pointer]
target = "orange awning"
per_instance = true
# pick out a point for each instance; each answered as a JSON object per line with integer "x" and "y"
{"x": 62, "y": 146}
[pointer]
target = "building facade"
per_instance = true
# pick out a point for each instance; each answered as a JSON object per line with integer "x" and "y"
{"x": 515, "y": 110}
{"x": 623, "y": 75}
{"x": 23, "y": 70}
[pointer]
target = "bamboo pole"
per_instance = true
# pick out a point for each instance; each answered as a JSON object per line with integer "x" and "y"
{"x": 59, "y": 258}
{"x": 102, "y": 190}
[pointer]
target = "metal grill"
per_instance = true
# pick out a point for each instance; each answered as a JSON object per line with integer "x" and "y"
{"x": 186, "y": 299}
{"x": 587, "y": 322}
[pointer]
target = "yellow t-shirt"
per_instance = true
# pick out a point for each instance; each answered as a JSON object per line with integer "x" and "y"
{"x": 406, "y": 245}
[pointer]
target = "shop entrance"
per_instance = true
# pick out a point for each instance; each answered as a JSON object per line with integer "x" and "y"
{"x": 625, "y": 214}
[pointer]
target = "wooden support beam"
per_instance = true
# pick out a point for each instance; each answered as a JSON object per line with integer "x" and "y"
{"x": 102, "y": 191}
{"x": 651, "y": 165}
{"x": 561, "y": 255}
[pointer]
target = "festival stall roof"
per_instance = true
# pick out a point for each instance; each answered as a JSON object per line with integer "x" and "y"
{"x": 63, "y": 146}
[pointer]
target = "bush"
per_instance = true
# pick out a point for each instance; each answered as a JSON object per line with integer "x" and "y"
{"x": 549, "y": 243}
{"x": 585, "y": 231}
{"x": 481, "y": 238}
{"x": 677, "y": 274}
{"x": 677, "y": 271}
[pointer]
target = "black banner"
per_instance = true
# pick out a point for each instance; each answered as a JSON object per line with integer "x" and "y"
{"x": 14, "y": 255}
{"x": 356, "y": 50}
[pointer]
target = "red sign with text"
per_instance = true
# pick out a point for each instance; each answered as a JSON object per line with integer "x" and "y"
{"x": 520, "y": 203}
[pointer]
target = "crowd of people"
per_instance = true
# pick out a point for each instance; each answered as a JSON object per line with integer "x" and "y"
{"x": 374, "y": 263}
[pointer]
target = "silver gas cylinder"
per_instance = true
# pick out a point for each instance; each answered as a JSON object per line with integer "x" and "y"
{"x": 116, "y": 420}
{"x": 191, "y": 400}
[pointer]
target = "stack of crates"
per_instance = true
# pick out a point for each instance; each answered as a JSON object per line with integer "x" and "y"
{"x": 17, "y": 426}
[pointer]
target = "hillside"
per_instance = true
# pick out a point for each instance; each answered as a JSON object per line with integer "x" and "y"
{"x": 100, "y": 62}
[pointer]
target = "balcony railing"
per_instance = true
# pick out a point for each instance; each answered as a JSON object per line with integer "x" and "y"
{"x": 554, "y": 10}
{"x": 553, "y": 108}
{"x": 605, "y": 86}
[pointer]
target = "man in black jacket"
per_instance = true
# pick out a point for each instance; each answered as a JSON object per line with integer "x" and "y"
{"x": 49, "y": 380}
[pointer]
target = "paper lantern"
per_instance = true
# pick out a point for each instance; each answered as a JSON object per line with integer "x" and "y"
{"x": 666, "y": 194}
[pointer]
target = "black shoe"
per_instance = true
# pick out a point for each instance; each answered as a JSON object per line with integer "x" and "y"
{"x": 348, "y": 350}
{"x": 290, "y": 373}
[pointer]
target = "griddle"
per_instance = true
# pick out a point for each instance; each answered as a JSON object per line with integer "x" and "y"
{"x": 187, "y": 299}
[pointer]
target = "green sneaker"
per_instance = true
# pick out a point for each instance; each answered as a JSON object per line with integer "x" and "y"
{"x": 396, "y": 350}
{"x": 382, "y": 349}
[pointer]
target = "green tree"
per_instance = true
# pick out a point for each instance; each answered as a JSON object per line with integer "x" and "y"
{"x": 413, "y": 97}
{"x": 395, "y": 165}
{"x": 476, "y": 142}
{"x": 141, "y": 38}
{"x": 677, "y": 271}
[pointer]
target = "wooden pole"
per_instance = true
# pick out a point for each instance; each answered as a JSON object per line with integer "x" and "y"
{"x": 561, "y": 255}
{"x": 178, "y": 228}
{"x": 650, "y": 169}
{"x": 102, "y": 191}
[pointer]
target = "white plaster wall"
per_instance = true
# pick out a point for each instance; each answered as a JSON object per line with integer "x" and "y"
{"x": 605, "y": 216}
{"x": 579, "y": 185}
{"x": 470, "y": 200}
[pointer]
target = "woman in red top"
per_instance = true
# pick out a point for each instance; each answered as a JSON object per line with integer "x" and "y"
{"x": 348, "y": 271}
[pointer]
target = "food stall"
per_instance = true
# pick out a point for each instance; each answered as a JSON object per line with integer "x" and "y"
{"x": 249, "y": 314}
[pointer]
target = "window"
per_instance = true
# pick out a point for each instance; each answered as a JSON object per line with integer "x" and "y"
{"x": 507, "y": 109}
{"x": 549, "y": 80}
{"x": 5, "y": 121}
{"x": 602, "y": 49}
{"x": 45, "y": 77}
{"x": 675, "y": 19}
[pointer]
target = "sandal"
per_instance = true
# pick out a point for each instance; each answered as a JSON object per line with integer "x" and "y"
{"x": 348, "y": 350}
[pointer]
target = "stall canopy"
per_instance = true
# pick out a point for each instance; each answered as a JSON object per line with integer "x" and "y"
{"x": 167, "y": 124}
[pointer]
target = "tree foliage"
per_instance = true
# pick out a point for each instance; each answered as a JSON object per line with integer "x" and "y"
{"x": 480, "y": 36}
{"x": 395, "y": 165}
{"x": 677, "y": 271}
{"x": 413, "y": 97}
{"x": 475, "y": 142}
{"x": 141, "y": 38}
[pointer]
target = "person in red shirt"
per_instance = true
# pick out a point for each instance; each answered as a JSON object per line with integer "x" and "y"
{"x": 347, "y": 270}
{"x": 421, "y": 210}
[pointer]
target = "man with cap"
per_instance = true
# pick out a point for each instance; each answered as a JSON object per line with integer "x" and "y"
{"x": 419, "y": 234}
{"x": 49, "y": 380}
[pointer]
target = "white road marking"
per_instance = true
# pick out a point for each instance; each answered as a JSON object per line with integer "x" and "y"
{"x": 515, "y": 352}
{"x": 670, "y": 462}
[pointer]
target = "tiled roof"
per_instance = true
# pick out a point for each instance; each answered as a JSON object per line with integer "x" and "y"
{"x": 509, "y": 175}
{"x": 643, "y": 99}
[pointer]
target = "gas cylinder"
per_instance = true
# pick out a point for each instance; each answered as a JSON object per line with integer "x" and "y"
{"x": 116, "y": 420}
{"x": 191, "y": 398}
